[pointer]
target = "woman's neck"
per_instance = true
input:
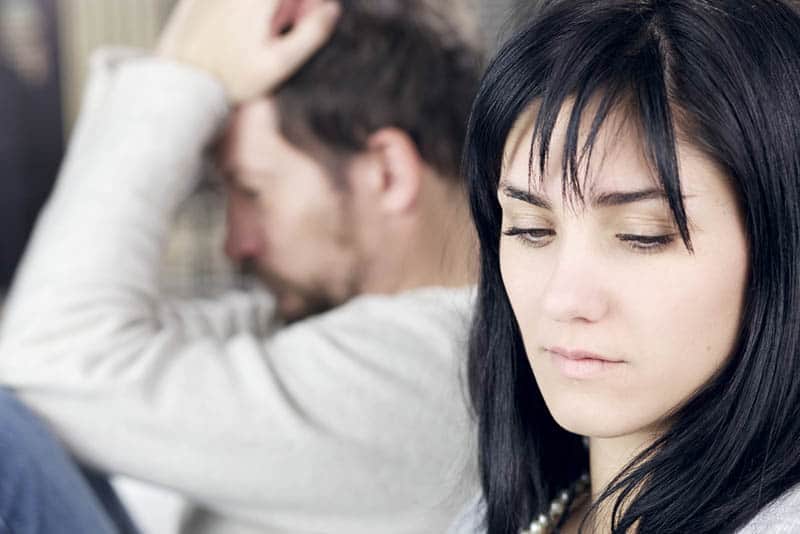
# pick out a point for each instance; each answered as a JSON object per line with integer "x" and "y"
{"x": 607, "y": 458}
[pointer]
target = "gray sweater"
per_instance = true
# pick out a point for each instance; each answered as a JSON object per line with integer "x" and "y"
{"x": 782, "y": 516}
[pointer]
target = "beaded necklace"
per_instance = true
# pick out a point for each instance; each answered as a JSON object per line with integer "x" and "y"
{"x": 560, "y": 508}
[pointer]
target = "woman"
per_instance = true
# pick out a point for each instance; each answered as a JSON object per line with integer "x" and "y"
{"x": 634, "y": 172}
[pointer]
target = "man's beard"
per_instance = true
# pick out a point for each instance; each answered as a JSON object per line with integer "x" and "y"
{"x": 293, "y": 302}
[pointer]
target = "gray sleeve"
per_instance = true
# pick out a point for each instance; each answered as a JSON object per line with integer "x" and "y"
{"x": 782, "y": 516}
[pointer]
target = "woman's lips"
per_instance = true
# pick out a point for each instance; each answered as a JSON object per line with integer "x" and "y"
{"x": 581, "y": 364}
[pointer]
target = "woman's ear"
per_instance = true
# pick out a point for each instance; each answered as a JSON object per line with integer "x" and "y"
{"x": 400, "y": 169}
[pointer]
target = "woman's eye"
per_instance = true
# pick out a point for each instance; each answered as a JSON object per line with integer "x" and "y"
{"x": 536, "y": 237}
{"x": 646, "y": 243}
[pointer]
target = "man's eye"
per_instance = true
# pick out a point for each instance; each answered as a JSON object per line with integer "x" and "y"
{"x": 535, "y": 237}
{"x": 248, "y": 192}
{"x": 646, "y": 243}
{"x": 242, "y": 190}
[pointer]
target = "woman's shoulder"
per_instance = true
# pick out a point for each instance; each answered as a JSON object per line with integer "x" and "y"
{"x": 781, "y": 516}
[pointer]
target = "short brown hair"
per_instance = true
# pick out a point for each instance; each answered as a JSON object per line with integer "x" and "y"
{"x": 408, "y": 64}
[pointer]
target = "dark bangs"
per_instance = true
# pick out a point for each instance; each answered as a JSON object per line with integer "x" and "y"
{"x": 612, "y": 63}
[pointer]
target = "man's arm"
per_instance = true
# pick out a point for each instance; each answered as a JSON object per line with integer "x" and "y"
{"x": 86, "y": 337}
{"x": 134, "y": 156}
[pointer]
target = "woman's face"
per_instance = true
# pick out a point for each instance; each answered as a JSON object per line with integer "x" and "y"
{"x": 621, "y": 323}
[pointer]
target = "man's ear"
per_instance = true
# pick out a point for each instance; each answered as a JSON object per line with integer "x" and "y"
{"x": 399, "y": 169}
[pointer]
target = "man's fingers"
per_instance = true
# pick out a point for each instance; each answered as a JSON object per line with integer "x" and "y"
{"x": 251, "y": 46}
{"x": 289, "y": 12}
{"x": 307, "y": 35}
{"x": 284, "y": 17}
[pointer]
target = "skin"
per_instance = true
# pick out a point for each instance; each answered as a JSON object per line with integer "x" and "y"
{"x": 278, "y": 197}
{"x": 243, "y": 43}
{"x": 614, "y": 279}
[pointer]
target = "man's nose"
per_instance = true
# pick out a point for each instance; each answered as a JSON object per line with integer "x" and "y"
{"x": 575, "y": 290}
{"x": 244, "y": 237}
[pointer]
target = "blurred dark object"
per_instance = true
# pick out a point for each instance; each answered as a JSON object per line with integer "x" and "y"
{"x": 31, "y": 126}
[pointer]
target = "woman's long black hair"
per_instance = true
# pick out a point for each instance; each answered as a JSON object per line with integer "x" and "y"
{"x": 723, "y": 76}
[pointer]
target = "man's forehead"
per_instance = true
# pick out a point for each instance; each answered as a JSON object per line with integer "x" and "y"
{"x": 249, "y": 129}
{"x": 261, "y": 112}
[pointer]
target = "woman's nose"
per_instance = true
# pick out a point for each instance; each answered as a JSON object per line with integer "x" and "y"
{"x": 574, "y": 290}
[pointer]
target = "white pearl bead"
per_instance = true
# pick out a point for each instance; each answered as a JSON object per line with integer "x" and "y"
{"x": 556, "y": 508}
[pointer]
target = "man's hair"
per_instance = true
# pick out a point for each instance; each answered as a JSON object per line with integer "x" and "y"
{"x": 409, "y": 64}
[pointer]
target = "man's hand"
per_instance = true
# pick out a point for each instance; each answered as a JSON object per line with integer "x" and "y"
{"x": 251, "y": 46}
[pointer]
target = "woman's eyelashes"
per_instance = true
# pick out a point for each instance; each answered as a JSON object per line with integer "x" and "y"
{"x": 540, "y": 237}
{"x": 647, "y": 243}
{"x": 535, "y": 237}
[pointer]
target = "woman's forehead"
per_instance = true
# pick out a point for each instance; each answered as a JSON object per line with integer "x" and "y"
{"x": 617, "y": 157}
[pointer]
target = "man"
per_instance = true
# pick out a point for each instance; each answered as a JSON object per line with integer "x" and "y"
{"x": 344, "y": 197}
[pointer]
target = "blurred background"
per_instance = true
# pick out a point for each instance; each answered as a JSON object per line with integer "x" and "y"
{"x": 44, "y": 50}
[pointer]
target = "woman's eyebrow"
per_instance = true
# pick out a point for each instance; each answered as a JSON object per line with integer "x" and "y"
{"x": 602, "y": 200}
{"x": 617, "y": 198}
{"x": 526, "y": 196}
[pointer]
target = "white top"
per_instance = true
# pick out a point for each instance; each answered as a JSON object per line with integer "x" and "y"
{"x": 353, "y": 421}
